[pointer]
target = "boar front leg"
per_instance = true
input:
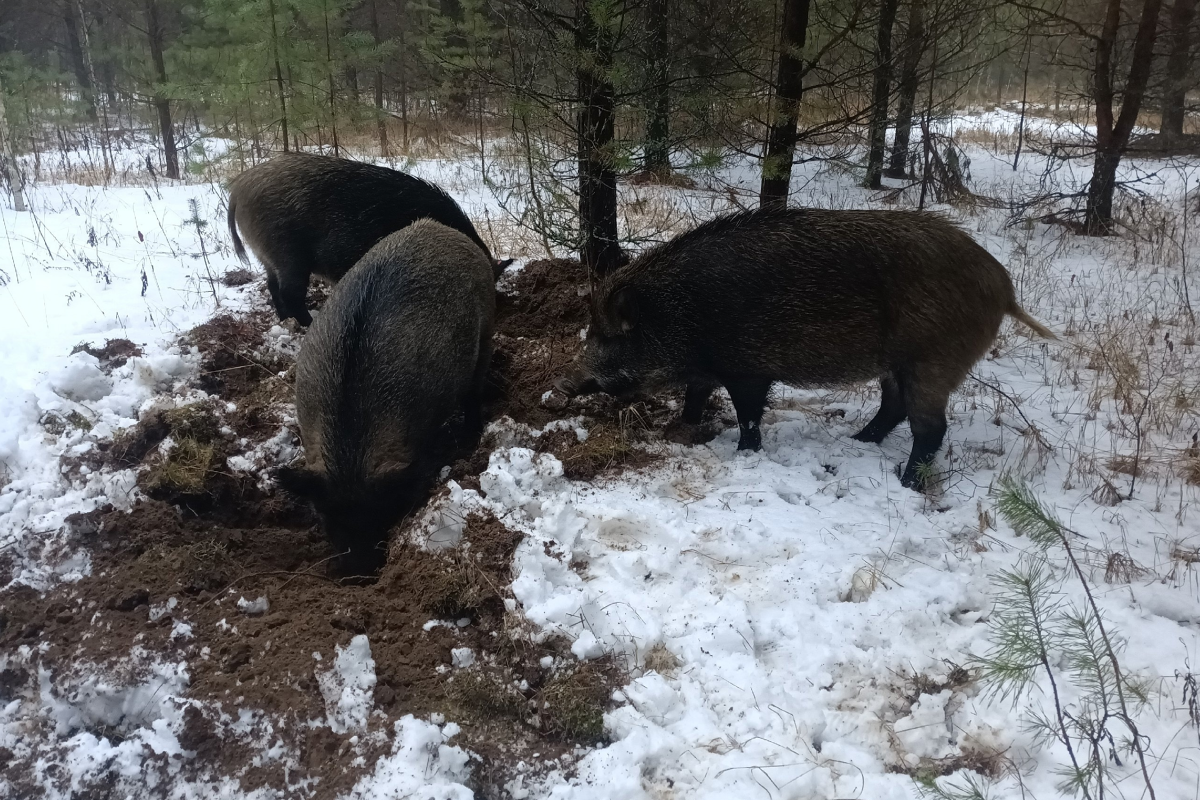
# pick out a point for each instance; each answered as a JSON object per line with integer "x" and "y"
{"x": 695, "y": 399}
{"x": 749, "y": 396}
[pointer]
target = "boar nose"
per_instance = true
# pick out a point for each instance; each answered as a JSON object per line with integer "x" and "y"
{"x": 572, "y": 385}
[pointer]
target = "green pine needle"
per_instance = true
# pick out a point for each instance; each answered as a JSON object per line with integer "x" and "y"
{"x": 1021, "y": 509}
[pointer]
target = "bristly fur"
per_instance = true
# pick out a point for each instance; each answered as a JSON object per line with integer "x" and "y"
{"x": 807, "y": 297}
{"x": 305, "y": 214}
{"x": 401, "y": 345}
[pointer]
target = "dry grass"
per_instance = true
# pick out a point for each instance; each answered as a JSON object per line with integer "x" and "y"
{"x": 183, "y": 469}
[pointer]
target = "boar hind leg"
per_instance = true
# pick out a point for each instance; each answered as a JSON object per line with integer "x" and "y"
{"x": 292, "y": 296}
{"x": 892, "y": 411}
{"x": 289, "y": 286}
{"x": 694, "y": 401}
{"x": 927, "y": 417}
{"x": 749, "y": 396}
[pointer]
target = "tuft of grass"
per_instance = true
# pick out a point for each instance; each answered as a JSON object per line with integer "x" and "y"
{"x": 661, "y": 660}
{"x": 182, "y": 470}
{"x": 1189, "y": 469}
{"x": 573, "y": 703}
{"x": 957, "y": 676}
{"x": 196, "y": 421}
{"x": 77, "y": 420}
{"x": 486, "y": 693}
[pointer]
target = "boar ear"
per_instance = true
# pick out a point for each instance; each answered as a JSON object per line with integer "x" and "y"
{"x": 624, "y": 308}
{"x": 300, "y": 482}
{"x": 499, "y": 266}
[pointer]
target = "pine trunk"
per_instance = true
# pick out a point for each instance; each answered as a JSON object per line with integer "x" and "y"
{"x": 658, "y": 125}
{"x": 332, "y": 88}
{"x": 1113, "y": 136}
{"x": 381, "y": 119}
{"x": 914, "y": 47}
{"x": 75, "y": 49}
{"x": 161, "y": 103}
{"x": 877, "y": 133}
{"x": 1179, "y": 46}
{"x": 597, "y": 178}
{"x": 283, "y": 120}
{"x": 86, "y": 48}
{"x": 15, "y": 181}
{"x": 789, "y": 86}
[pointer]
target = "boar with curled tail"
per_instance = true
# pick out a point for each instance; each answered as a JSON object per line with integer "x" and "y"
{"x": 402, "y": 345}
{"x": 809, "y": 298}
{"x": 305, "y": 214}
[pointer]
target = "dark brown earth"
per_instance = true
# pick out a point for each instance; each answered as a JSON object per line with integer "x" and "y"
{"x": 207, "y": 536}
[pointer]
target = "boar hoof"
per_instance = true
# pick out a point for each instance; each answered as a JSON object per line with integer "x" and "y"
{"x": 751, "y": 439}
{"x": 869, "y": 436}
{"x": 916, "y": 477}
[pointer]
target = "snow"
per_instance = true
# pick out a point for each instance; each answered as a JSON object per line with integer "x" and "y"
{"x": 799, "y": 590}
{"x": 348, "y": 688}
{"x": 253, "y": 608}
{"x": 421, "y": 764}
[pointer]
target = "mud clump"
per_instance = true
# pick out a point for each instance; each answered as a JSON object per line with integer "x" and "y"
{"x": 540, "y": 312}
{"x": 607, "y": 447}
{"x": 237, "y": 277}
{"x": 114, "y": 354}
{"x": 234, "y": 364}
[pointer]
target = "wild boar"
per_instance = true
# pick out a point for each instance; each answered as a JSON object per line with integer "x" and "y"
{"x": 809, "y": 298}
{"x": 307, "y": 214}
{"x": 401, "y": 345}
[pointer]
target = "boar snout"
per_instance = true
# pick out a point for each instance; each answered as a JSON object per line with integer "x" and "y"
{"x": 577, "y": 383}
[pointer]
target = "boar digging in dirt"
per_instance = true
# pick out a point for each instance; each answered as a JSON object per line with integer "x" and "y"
{"x": 306, "y": 214}
{"x": 401, "y": 345}
{"x": 809, "y": 298}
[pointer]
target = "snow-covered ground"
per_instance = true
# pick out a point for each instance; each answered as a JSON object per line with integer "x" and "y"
{"x": 795, "y": 622}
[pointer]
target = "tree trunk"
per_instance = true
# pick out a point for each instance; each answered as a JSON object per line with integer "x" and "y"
{"x": 1112, "y": 137}
{"x": 789, "y": 86}
{"x": 283, "y": 122}
{"x": 597, "y": 178}
{"x": 329, "y": 73}
{"x": 381, "y": 119}
{"x": 1179, "y": 42}
{"x": 658, "y": 124}
{"x": 161, "y": 103}
{"x": 877, "y": 133}
{"x": 914, "y": 47}
{"x": 1024, "y": 107}
{"x": 86, "y": 49}
{"x": 459, "y": 97}
{"x": 75, "y": 49}
{"x": 403, "y": 85}
{"x": 13, "y": 170}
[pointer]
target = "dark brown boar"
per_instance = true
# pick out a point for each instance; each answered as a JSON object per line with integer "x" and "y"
{"x": 809, "y": 298}
{"x": 305, "y": 214}
{"x": 401, "y": 345}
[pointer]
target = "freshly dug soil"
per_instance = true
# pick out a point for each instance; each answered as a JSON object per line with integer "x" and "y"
{"x": 206, "y": 536}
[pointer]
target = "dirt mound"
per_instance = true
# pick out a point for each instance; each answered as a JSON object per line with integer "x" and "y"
{"x": 114, "y": 354}
{"x": 234, "y": 363}
{"x": 167, "y": 576}
{"x": 159, "y": 567}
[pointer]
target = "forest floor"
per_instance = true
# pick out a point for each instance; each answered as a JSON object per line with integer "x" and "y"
{"x": 596, "y": 602}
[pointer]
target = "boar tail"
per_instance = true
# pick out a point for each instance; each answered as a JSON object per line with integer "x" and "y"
{"x": 238, "y": 247}
{"x": 1020, "y": 315}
